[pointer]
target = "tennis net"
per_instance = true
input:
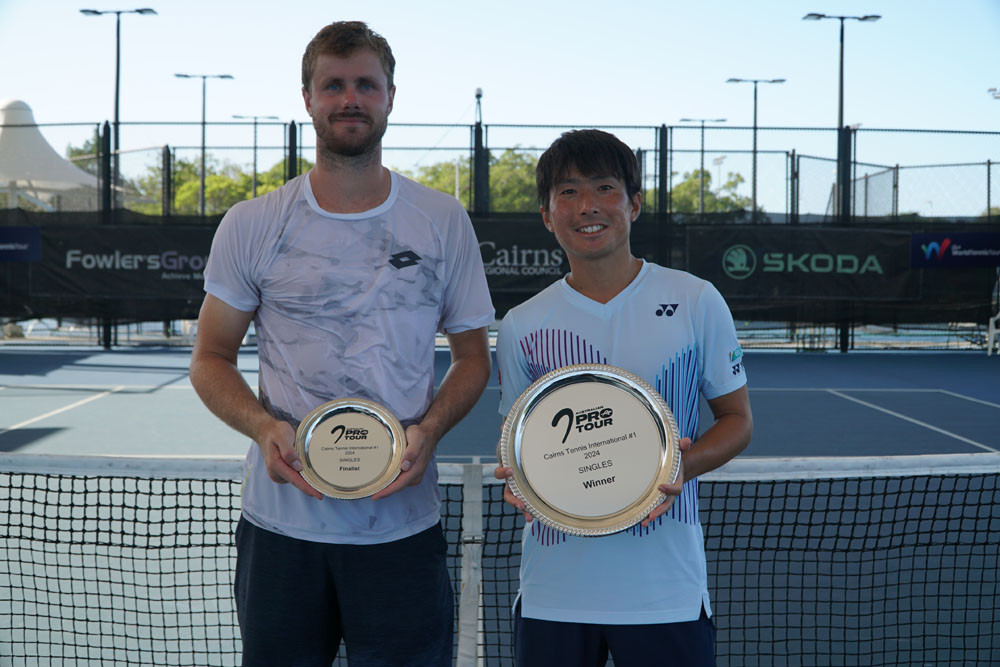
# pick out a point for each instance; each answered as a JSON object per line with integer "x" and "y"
{"x": 839, "y": 561}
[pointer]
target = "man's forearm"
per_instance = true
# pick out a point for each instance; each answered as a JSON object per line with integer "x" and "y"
{"x": 222, "y": 389}
{"x": 460, "y": 389}
{"x": 725, "y": 439}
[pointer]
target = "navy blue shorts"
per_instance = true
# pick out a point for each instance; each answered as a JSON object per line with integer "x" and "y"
{"x": 392, "y": 603}
{"x": 539, "y": 643}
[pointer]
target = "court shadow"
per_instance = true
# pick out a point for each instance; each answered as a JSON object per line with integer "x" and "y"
{"x": 11, "y": 441}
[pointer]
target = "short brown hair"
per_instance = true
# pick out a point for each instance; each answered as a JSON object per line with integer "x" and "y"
{"x": 342, "y": 39}
{"x": 592, "y": 153}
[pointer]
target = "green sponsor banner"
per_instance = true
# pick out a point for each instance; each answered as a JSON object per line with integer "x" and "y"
{"x": 800, "y": 263}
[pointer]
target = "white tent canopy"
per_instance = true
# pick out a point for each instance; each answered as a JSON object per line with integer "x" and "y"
{"x": 29, "y": 163}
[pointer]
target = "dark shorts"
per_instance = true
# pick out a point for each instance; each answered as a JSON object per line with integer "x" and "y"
{"x": 539, "y": 643}
{"x": 392, "y": 603}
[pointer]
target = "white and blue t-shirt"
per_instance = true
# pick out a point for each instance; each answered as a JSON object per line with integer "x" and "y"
{"x": 674, "y": 331}
{"x": 348, "y": 305}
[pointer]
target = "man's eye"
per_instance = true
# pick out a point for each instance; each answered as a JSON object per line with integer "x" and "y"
{"x": 568, "y": 191}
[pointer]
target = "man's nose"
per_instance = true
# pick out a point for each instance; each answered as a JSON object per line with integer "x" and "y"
{"x": 350, "y": 97}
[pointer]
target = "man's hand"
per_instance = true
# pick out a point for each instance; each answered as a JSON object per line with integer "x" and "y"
{"x": 507, "y": 474}
{"x": 277, "y": 446}
{"x": 671, "y": 490}
{"x": 416, "y": 458}
{"x": 459, "y": 390}
{"x": 220, "y": 385}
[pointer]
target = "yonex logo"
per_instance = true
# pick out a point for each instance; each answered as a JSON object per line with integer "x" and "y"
{"x": 935, "y": 248}
{"x": 739, "y": 261}
{"x": 667, "y": 309}
{"x": 401, "y": 260}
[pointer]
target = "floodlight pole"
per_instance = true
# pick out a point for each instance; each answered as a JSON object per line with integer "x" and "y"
{"x": 204, "y": 78}
{"x": 701, "y": 172}
{"x": 116, "y": 174}
{"x": 842, "y": 199}
{"x": 753, "y": 190}
{"x": 255, "y": 119}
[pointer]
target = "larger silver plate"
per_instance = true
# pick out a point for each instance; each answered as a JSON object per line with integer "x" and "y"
{"x": 350, "y": 448}
{"x": 589, "y": 444}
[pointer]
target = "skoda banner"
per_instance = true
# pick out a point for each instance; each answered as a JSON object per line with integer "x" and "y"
{"x": 783, "y": 263}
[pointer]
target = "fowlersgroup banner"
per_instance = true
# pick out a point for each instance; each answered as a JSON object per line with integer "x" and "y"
{"x": 785, "y": 263}
{"x": 130, "y": 262}
{"x": 955, "y": 250}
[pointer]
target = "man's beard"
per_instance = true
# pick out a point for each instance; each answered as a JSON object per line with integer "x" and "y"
{"x": 363, "y": 141}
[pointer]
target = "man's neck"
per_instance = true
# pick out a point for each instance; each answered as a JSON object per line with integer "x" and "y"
{"x": 350, "y": 185}
{"x": 604, "y": 279}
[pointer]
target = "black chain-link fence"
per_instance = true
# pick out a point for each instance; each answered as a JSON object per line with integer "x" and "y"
{"x": 773, "y": 175}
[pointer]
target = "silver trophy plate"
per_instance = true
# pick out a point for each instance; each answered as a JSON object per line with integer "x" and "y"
{"x": 589, "y": 444}
{"x": 350, "y": 448}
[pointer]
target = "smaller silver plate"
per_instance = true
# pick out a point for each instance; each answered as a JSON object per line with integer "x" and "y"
{"x": 350, "y": 448}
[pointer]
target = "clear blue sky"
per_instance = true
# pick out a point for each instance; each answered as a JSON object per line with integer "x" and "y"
{"x": 926, "y": 64}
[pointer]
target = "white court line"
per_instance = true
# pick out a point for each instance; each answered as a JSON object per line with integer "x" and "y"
{"x": 913, "y": 421}
{"x": 120, "y": 388}
{"x": 62, "y": 409}
{"x": 969, "y": 398}
{"x": 869, "y": 389}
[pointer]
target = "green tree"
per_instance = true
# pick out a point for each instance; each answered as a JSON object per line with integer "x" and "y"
{"x": 512, "y": 180}
{"x": 441, "y": 176}
{"x": 89, "y": 151}
{"x": 225, "y": 185}
{"x": 685, "y": 196}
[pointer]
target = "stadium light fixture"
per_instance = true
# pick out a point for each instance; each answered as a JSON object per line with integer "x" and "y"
{"x": 116, "y": 172}
{"x": 842, "y": 195}
{"x": 255, "y": 119}
{"x": 753, "y": 189}
{"x": 203, "y": 77}
{"x": 701, "y": 172}
{"x": 995, "y": 93}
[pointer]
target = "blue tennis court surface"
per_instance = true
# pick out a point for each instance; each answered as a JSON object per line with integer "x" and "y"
{"x": 140, "y": 401}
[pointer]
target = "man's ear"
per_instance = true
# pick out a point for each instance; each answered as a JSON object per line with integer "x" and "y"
{"x": 636, "y": 205}
{"x": 308, "y": 100}
{"x": 545, "y": 218}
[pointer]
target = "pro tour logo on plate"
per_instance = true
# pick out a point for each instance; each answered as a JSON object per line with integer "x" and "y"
{"x": 583, "y": 420}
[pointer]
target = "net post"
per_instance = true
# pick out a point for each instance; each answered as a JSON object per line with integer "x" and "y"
{"x": 166, "y": 182}
{"x": 989, "y": 213}
{"x": 293, "y": 153}
{"x": 472, "y": 551}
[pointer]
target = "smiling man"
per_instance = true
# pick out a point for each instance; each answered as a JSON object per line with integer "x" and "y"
{"x": 640, "y": 595}
{"x": 347, "y": 273}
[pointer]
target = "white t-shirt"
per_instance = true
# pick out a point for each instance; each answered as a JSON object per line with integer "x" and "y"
{"x": 675, "y": 332}
{"x": 347, "y": 305}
